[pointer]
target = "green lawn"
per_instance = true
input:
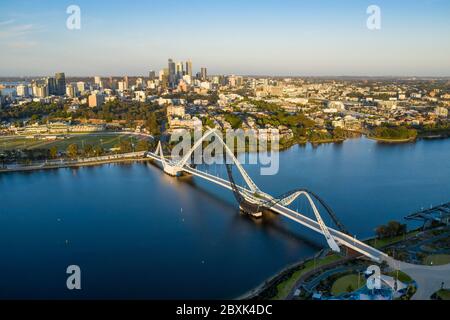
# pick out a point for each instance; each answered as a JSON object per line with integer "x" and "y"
{"x": 345, "y": 283}
{"x": 379, "y": 243}
{"x": 17, "y": 143}
{"x": 107, "y": 141}
{"x": 444, "y": 294}
{"x": 437, "y": 259}
{"x": 286, "y": 286}
{"x": 402, "y": 277}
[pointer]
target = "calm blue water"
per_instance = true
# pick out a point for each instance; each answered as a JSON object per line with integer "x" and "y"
{"x": 137, "y": 233}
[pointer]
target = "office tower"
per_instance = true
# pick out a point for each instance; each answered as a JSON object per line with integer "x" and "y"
{"x": 189, "y": 68}
{"x": 71, "y": 90}
{"x": 81, "y": 87}
{"x": 203, "y": 74}
{"x": 60, "y": 79}
{"x": 180, "y": 70}
{"x": 112, "y": 83}
{"x": 163, "y": 73}
{"x": 52, "y": 86}
{"x": 139, "y": 83}
{"x": 152, "y": 75}
{"x": 40, "y": 90}
{"x": 126, "y": 84}
{"x": 95, "y": 100}
{"x": 172, "y": 73}
{"x": 122, "y": 86}
{"x": 22, "y": 90}
{"x": 98, "y": 81}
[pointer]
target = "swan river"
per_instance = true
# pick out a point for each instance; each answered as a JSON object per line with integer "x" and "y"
{"x": 138, "y": 233}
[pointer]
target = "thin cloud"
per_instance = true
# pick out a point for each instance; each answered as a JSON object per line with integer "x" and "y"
{"x": 19, "y": 30}
{"x": 6, "y": 22}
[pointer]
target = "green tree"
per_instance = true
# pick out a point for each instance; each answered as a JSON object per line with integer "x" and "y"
{"x": 381, "y": 232}
{"x": 339, "y": 133}
{"x": 53, "y": 152}
{"x": 88, "y": 150}
{"x": 143, "y": 145}
{"x": 234, "y": 120}
{"x": 72, "y": 151}
{"x": 152, "y": 124}
{"x": 98, "y": 151}
{"x": 125, "y": 146}
{"x": 393, "y": 132}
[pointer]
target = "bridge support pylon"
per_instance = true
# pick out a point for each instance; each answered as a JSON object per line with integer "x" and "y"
{"x": 173, "y": 171}
{"x": 251, "y": 209}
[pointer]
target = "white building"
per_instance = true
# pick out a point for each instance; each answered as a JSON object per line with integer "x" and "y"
{"x": 81, "y": 87}
{"x": 122, "y": 86}
{"x": 23, "y": 90}
{"x": 338, "y": 105}
{"x": 71, "y": 91}
{"x": 98, "y": 81}
{"x": 176, "y": 111}
{"x": 441, "y": 112}
{"x": 140, "y": 96}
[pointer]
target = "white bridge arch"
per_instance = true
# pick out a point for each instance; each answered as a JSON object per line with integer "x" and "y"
{"x": 177, "y": 167}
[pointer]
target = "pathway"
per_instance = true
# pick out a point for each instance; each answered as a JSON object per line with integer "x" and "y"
{"x": 429, "y": 278}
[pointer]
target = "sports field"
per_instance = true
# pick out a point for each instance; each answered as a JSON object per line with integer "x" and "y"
{"x": 105, "y": 140}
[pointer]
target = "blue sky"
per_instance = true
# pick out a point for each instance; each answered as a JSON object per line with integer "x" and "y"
{"x": 280, "y": 37}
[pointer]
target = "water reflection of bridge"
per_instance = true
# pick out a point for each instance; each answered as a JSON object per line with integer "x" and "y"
{"x": 253, "y": 201}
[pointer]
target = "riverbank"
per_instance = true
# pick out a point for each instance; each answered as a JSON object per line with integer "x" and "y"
{"x": 281, "y": 285}
{"x": 393, "y": 141}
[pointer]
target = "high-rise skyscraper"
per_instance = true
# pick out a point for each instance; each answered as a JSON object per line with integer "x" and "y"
{"x": 172, "y": 73}
{"x": 189, "y": 68}
{"x": 126, "y": 84}
{"x": 152, "y": 75}
{"x": 51, "y": 86}
{"x": 60, "y": 79}
{"x": 180, "y": 70}
{"x": 81, "y": 87}
{"x": 111, "y": 83}
{"x": 40, "y": 90}
{"x": 203, "y": 74}
{"x": 98, "y": 81}
{"x": 22, "y": 90}
{"x": 95, "y": 100}
{"x": 71, "y": 90}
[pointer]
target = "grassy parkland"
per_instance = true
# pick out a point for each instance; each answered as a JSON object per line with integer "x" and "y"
{"x": 107, "y": 141}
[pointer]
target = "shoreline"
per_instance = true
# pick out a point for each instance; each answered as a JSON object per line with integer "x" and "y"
{"x": 285, "y": 147}
{"x": 392, "y": 141}
{"x": 271, "y": 281}
{"x": 73, "y": 165}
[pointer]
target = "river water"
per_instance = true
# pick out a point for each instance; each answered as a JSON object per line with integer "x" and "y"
{"x": 137, "y": 233}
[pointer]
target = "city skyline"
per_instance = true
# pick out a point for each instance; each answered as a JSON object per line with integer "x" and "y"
{"x": 296, "y": 39}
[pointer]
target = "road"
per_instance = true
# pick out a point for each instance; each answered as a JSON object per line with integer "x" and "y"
{"x": 429, "y": 278}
